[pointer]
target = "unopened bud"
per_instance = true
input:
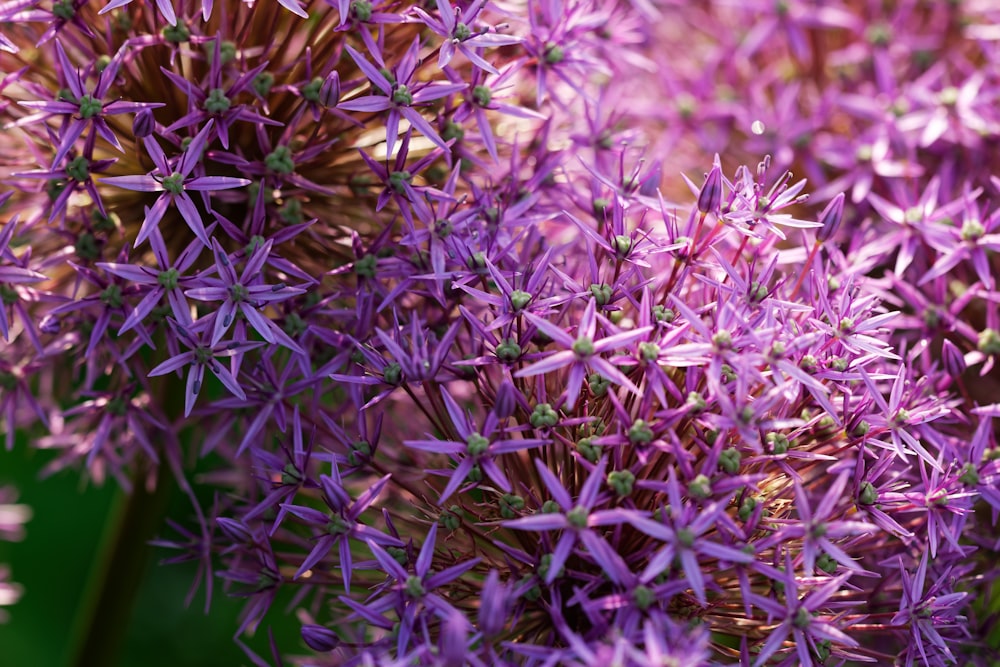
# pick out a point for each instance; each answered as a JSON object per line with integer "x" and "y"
{"x": 710, "y": 197}
{"x": 954, "y": 360}
{"x": 651, "y": 183}
{"x": 329, "y": 92}
{"x": 143, "y": 124}
{"x": 505, "y": 403}
{"x": 49, "y": 325}
{"x": 831, "y": 218}
{"x": 319, "y": 638}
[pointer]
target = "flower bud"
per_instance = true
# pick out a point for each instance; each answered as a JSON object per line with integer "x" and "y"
{"x": 454, "y": 640}
{"x": 49, "y": 324}
{"x": 710, "y": 197}
{"x": 329, "y": 92}
{"x": 494, "y": 605}
{"x": 830, "y": 218}
{"x": 143, "y": 124}
{"x": 319, "y": 638}
{"x": 954, "y": 360}
{"x": 651, "y": 183}
{"x": 505, "y": 402}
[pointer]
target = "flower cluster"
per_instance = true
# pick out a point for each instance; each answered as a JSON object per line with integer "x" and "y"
{"x": 483, "y": 387}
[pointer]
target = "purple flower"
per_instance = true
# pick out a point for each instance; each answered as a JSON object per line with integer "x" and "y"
{"x": 474, "y": 448}
{"x": 577, "y": 520}
{"x": 82, "y": 109}
{"x": 175, "y": 182}
{"x": 341, "y": 524}
{"x": 582, "y": 352}
{"x": 243, "y": 294}
{"x": 201, "y": 355}
{"x": 401, "y": 96}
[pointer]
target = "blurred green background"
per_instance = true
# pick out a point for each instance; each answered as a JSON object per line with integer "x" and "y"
{"x": 53, "y": 564}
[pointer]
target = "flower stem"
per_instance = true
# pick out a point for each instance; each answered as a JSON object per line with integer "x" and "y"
{"x": 103, "y": 617}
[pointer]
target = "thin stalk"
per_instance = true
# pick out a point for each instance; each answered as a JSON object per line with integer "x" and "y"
{"x": 103, "y": 618}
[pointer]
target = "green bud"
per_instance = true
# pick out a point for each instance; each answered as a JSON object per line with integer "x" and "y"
{"x": 722, "y": 340}
{"x": 640, "y": 432}
{"x": 112, "y": 296}
{"x": 777, "y": 441}
{"x": 543, "y": 416}
{"x": 174, "y": 183}
{"x": 696, "y": 402}
{"x": 227, "y": 51}
{"x": 826, "y": 563}
{"x": 361, "y": 451}
{"x": 861, "y": 430}
{"x": 809, "y": 363}
{"x": 583, "y": 347}
{"x": 643, "y": 597}
{"x": 544, "y": 563}
{"x": 989, "y": 341}
{"x": 598, "y": 384}
{"x": 216, "y": 102}
{"x": 600, "y": 207}
{"x": 532, "y": 593}
{"x": 79, "y": 169}
{"x": 402, "y": 96}
{"x": 588, "y": 450}
{"x": 747, "y": 507}
{"x": 398, "y": 554}
{"x": 392, "y": 374}
{"x": 176, "y": 34}
{"x": 577, "y": 517}
{"x": 482, "y": 95}
{"x": 337, "y": 526}
{"x": 511, "y": 505}
{"x": 89, "y": 107}
{"x": 685, "y": 537}
{"x": 602, "y": 294}
{"x": 729, "y": 460}
{"x": 550, "y": 507}
{"x": 414, "y": 587}
{"x": 262, "y": 83}
{"x": 519, "y": 300}
{"x": 310, "y": 91}
{"x": 476, "y": 444}
{"x": 622, "y": 482}
{"x": 63, "y": 9}
{"x": 280, "y": 160}
{"x": 970, "y": 476}
{"x": 700, "y": 487}
{"x": 508, "y": 351}
{"x": 168, "y": 279}
{"x": 622, "y": 246}
{"x": 451, "y": 519}
{"x": 867, "y": 495}
{"x": 361, "y": 10}
{"x": 649, "y": 352}
{"x": 87, "y": 247}
{"x": 554, "y": 54}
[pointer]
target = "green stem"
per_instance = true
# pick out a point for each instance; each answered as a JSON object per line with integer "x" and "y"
{"x": 102, "y": 621}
